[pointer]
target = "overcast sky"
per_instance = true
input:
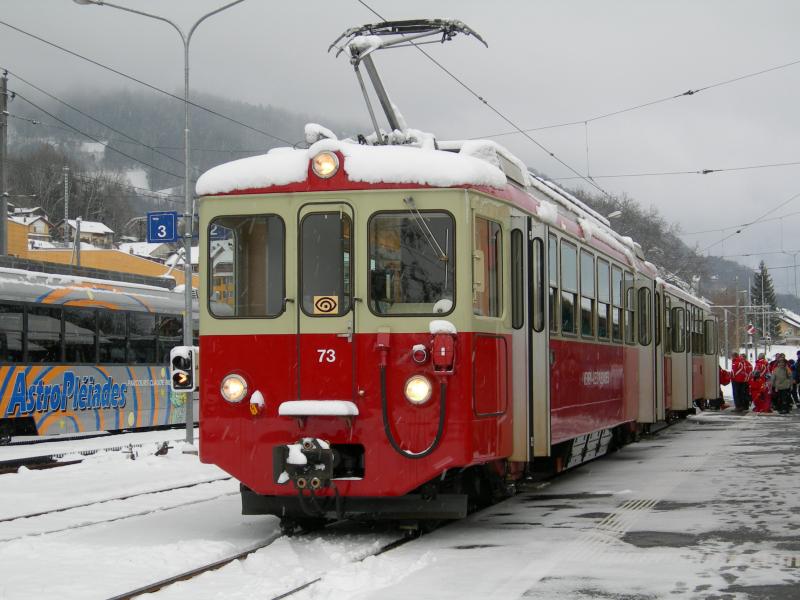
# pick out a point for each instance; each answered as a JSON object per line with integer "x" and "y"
{"x": 547, "y": 63}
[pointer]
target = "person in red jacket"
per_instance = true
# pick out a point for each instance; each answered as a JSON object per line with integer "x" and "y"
{"x": 758, "y": 386}
{"x": 739, "y": 375}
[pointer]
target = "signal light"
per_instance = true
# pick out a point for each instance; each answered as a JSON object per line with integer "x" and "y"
{"x": 183, "y": 363}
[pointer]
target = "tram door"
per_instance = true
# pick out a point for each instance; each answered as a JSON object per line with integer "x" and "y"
{"x": 325, "y": 315}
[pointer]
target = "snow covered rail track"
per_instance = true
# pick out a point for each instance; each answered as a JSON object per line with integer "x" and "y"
{"x": 383, "y": 549}
{"x": 48, "y": 461}
{"x": 86, "y": 515}
{"x": 186, "y": 575}
{"x": 115, "y": 498}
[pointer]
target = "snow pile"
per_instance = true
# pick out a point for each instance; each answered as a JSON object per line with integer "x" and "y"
{"x": 370, "y": 164}
{"x": 315, "y": 132}
{"x": 548, "y": 212}
{"x": 442, "y": 326}
{"x": 361, "y": 43}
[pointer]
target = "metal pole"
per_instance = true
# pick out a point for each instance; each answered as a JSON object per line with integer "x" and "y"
{"x": 78, "y": 241}
{"x": 66, "y": 200}
{"x": 3, "y": 151}
{"x": 188, "y": 331}
{"x": 727, "y": 341}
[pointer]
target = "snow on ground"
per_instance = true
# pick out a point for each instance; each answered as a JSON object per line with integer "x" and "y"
{"x": 704, "y": 509}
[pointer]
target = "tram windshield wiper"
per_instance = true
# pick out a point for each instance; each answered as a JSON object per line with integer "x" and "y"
{"x": 419, "y": 220}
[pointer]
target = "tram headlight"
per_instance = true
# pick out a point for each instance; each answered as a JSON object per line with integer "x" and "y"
{"x": 325, "y": 164}
{"x": 418, "y": 389}
{"x": 233, "y": 388}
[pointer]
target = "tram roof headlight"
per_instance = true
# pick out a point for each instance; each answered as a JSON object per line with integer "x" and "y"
{"x": 325, "y": 164}
{"x": 418, "y": 389}
{"x": 233, "y": 388}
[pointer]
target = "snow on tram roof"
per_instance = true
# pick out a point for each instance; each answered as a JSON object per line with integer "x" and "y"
{"x": 370, "y": 164}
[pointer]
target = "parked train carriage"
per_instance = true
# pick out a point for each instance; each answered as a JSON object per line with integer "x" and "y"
{"x": 410, "y": 323}
{"x": 690, "y": 360}
{"x": 81, "y": 354}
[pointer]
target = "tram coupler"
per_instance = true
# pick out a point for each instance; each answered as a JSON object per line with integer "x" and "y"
{"x": 308, "y": 464}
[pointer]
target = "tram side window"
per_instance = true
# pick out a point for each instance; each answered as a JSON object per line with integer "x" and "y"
{"x": 603, "y": 299}
{"x": 538, "y": 285}
{"x": 552, "y": 268}
{"x": 698, "y": 343}
{"x": 616, "y": 298}
{"x": 645, "y": 324}
{"x": 487, "y": 269}
{"x": 517, "y": 280}
{"x": 11, "y": 321}
{"x": 569, "y": 287}
{"x": 44, "y": 334}
{"x": 657, "y": 318}
{"x": 246, "y": 266}
{"x": 170, "y": 331}
{"x": 630, "y": 308}
{"x": 79, "y": 335}
{"x": 142, "y": 338}
{"x": 678, "y": 329}
{"x": 709, "y": 334}
{"x": 587, "y": 294}
{"x": 326, "y": 270}
{"x": 667, "y": 325}
{"x": 411, "y": 263}
{"x": 111, "y": 329}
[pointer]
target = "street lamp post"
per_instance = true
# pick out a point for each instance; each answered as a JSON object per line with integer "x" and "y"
{"x": 187, "y": 216}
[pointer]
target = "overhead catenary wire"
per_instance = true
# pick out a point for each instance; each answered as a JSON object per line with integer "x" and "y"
{"x": 690, "y": 92}
{"x": 695, "y": 172}
{"x": 96, "y": 120}
{"x": 750, "y": 223}
{"x": 497, "y": 111}
{"x": 721, "y": 229}
{"x": 148, "y": 85}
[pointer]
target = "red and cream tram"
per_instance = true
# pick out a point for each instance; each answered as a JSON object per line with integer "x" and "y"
{"x": 400, "y": 330}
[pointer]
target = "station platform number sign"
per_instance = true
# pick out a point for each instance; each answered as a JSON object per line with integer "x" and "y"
{"x": 162, "y": 226}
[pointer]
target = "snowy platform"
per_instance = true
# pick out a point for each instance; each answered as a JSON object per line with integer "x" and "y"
{"x": 704, "y": 509}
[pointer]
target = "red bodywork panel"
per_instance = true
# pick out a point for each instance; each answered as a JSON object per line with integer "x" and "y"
{"x": 242, "y": 444}
{"x": 592, "y": 387}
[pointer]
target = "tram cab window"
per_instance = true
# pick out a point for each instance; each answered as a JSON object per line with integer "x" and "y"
{"x": 44, "y": 334}
{"x": 246, "y": 266}
{"x": 411, "y": 263}
{"x": 111, "y": 329}
{"x": 603, "y": 299}
{"x": 487, "y": 272}
{"x": 79, "y": 335}
{"x": 325, "y": 270}
{"x": 11, "y": 321}
{"x": 142, "y": 338}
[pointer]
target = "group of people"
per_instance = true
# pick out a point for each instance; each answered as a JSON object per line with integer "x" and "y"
{"x": 768, "y": 385}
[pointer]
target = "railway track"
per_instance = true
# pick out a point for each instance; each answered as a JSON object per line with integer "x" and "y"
{"x": 50, "y": 461}
{"x": 192, "y": 573}
{"x": 114, "y": 499}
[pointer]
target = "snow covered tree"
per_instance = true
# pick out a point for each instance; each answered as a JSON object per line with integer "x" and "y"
{"x": 763, "y": 292}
